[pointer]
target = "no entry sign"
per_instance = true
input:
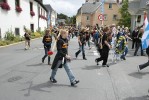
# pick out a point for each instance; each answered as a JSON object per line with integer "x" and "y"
{"x": 101, "y": 17}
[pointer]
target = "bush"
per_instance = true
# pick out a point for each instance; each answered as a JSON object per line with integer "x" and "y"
{"x": 9, "y": 36}
{"x": 17, "y": 39}
{"x": 37, "y": 34}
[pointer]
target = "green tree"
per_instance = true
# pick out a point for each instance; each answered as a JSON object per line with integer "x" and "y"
{"x": 62, "y": 16}
{"x": 125, "y": 15}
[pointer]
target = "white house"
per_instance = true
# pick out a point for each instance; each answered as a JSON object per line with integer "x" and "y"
{"x": 15, "y": 14}
{"x": 52, "y": 15}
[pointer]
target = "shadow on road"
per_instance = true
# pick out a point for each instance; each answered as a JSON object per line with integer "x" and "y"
{"x": 138, "y": 75}
{"x": 92, "y": 67}
{"x": 43, "y": 87}
{"x": 39, "y": 64}
{"x": 137, "y": 98}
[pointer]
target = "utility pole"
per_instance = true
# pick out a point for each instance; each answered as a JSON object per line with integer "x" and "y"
{"x": 102, "y": 11}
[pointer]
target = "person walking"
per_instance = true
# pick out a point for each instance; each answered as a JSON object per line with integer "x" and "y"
{"x": 47, "y": 41}
{"x": 62, "y": 58}
{"x": 134, "y": 37}
{"x": 88, "y": 37}
{"x": 106, "y": 47}
{"x": 126, "y": 35}
{"x": 82, "y": 42}
{"x": 142, "y": 66}
{"x": 139, "y": 43}
{"x": 27, "y": 39}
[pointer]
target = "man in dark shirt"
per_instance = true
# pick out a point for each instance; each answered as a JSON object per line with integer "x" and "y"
{"x": 106, "y": 47}
{"x": 139, "y": 42}
{"x": 134, "y": 37}
{"x": 82, "y": 42}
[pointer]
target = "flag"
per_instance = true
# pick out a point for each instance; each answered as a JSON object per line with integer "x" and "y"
{"x": 145, "y": 37}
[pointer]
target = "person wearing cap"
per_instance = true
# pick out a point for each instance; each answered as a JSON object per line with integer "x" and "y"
{"x": 47, "y": 41}
{"x": 82, "y": 42}
{"x": 62, "y": 58}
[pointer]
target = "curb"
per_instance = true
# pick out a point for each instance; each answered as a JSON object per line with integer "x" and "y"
{"x": 17, "y": 43}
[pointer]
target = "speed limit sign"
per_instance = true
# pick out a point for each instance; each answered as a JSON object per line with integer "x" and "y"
{"x": 101, "y": 17}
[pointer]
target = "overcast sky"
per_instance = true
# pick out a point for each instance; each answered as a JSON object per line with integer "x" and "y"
{"x": 68, "y": 7}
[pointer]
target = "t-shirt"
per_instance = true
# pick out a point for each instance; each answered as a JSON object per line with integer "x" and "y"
{"x": 105, "y": 38}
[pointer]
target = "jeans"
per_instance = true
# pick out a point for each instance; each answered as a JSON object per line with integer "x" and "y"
{"x": 82, "y": 48}
{"x": 46, "y": 48}
{"x": 125, "y": 52}
{"x": 67, "y": 69}
{"x": 88, "y": 43}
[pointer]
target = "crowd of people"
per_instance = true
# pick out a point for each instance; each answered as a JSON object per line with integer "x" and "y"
{"x": 104, "y": 38}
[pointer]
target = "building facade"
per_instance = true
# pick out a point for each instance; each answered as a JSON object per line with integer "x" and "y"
{"x": 52, "y": 15}
{"x": 136, "y": 9}
{"x": 90, "y": 13}
{"x": 17, "y": 14}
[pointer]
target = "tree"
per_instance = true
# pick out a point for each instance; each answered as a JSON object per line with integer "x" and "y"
{"x": 125, "y": 15}
{"x": 62, "y": 16}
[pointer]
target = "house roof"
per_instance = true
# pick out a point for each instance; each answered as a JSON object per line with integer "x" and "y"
{"x": 41, "y": 4}
{"x": 48, "y": 7}
{"x": 89, "y": 8}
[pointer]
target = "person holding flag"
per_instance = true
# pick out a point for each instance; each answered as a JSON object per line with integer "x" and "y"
{"x": 145, "y": 42}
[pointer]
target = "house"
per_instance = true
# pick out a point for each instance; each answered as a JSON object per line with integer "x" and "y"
{"x": 61, "y": 22}
{"x": 90, "y": 14}
{"x": 136, "y": 9}
{"x": 52, "y": 15}
{"x": 15, "y": 14}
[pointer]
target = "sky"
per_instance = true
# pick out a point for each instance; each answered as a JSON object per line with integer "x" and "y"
{"x": 67, "y": 7}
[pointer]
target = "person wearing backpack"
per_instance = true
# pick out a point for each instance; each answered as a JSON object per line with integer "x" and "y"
{"x": 62, "y": 58}
{"x": 47, "y": 41}
{"x": 27, "y": 39}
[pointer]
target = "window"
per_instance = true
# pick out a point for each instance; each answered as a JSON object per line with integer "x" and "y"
{"x": 32, "y": 27}
{"x": 3, "y": 1}
{"x": 87, "y": 18}
{"x": 110, "y": 5}
{"x": 17, "y": 3}
{"x": 41, "y": 11}
{"x": 31, "y": 6}
{"x": 17, "y": 31}
{"x": 105, "y": 17}
{"x": 139, "y": 19}
{"x": 115, "y": 17}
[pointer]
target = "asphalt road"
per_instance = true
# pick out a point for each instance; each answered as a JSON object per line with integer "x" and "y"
{"x": 24, "y": 77}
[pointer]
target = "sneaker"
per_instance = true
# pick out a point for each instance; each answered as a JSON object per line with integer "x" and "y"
{"x": 76, "y": 55}
{"x": 96, "y": 61}
{"x": 53, "y": 80}
{"x": 105, "y": 65}
{"x": 84, "y": 59}
{"x": 138, "y": 68}
{"x": 42, "y": 60}
{"x": 75, "y": 82}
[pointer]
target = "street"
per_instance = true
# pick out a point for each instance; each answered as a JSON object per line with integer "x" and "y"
{"x": 24, "y": 77}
